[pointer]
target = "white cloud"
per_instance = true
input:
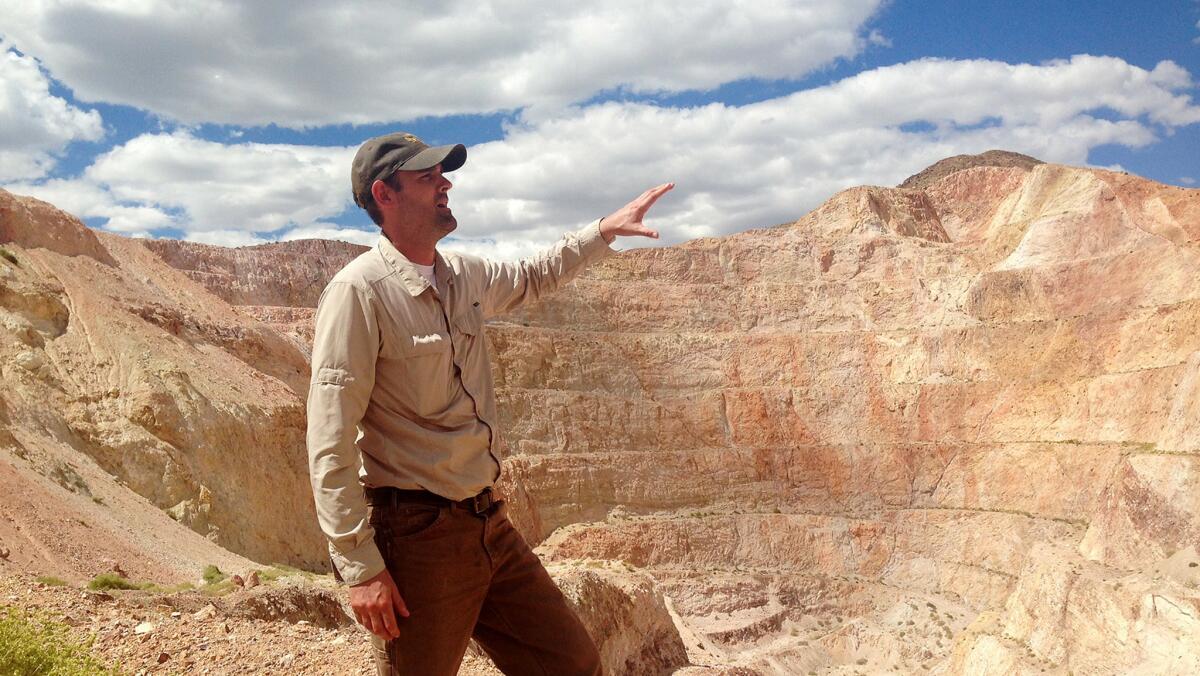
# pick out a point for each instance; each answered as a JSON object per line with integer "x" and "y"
{"x": 35, "y": 126}
{"x": 247, "y": 187}
{"x": 229, "y": 238}
{"x": 770, "y": 162}
{"x": 310, "y": 62}
{"x": 333, "y": 231}
{"x": 215, "y": 193}
{"x": 735, "y": 167}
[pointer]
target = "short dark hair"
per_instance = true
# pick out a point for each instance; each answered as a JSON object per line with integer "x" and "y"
{"x": 373, "y": 208}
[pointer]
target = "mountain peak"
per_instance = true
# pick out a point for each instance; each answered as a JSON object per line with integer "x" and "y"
{"x": 991, "y": 158}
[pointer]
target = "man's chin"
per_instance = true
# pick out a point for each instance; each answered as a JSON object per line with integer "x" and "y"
{"x": 447, "y": 222}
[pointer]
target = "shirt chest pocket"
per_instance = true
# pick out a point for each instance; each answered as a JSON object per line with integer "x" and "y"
{"x": 419, "y": 372}
{"x": 423, "y": 344}
{"x": 469, "y": 322}
{"x": 403, "y": 345}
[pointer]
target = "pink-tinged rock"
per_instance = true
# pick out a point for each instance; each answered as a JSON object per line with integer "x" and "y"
{"x": 32, "y": 224}
{"x": 814, "y": 434}
{"x": 1150, "y": 510}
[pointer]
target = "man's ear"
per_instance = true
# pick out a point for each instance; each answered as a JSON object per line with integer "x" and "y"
{"x": 382, "y": 193}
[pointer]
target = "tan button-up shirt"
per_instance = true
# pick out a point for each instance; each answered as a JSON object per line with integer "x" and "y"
{"x": 401, "y": 392}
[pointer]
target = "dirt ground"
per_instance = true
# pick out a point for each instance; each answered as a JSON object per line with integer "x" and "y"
{"x": 285, "y": 627}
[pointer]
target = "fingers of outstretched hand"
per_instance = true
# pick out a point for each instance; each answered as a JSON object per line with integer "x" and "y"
{"x": 654, "y": 193}
{"x": 627, "y": 220}
{"x": 639, "y": 229}
{"x": 647, "y": 199}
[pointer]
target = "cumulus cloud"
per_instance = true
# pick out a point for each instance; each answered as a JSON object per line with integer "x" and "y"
{"x": 309, "y": 62}
{"x": 215, "y": 193}
{"x": 35, "y": 125}
{"x": 214, "y": 187}
{"x": 770, "y": 162}
{"x": 735, "y": 166}
{"x": 366, "y": 237}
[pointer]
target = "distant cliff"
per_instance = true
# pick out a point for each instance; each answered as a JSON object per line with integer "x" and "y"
{"x": 289, "y": 274}
{"x": 951, "y": 425}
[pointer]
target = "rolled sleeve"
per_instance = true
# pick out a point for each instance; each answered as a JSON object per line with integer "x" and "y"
{"x": 509, "y": 284}
{"x": 345, "y": 348}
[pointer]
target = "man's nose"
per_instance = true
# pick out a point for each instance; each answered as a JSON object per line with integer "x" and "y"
{"x": 446, "y": 184}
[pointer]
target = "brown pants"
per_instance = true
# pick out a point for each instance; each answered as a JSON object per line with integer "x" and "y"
{"x": 465, "y": 575}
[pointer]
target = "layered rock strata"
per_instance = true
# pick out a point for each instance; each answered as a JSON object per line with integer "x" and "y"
{"x": 849, "y": 442}
{"x": 950, "y": 426}
{"x": 126, "y": 383}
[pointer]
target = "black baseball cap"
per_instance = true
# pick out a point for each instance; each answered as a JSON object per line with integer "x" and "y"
{"x": 382, "y": 156}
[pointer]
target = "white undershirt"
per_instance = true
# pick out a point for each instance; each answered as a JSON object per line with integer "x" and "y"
{"x": 425, "y": 271}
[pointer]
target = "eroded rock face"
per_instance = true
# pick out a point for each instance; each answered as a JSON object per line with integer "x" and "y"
{"x": 624, "y": 612}
{"x": 949, "y": 426}
{"x": 120, "y": 372}
{"x": 992, "y": 158}
{"x": 1065, "y": 610}
{"x": 814, "y": 433}
{"x": 288, "y": 274}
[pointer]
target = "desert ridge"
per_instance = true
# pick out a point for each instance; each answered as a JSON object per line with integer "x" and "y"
{"x": 949, "y": 427}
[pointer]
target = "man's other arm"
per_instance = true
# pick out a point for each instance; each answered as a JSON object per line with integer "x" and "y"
{"x": 345, "y": 348}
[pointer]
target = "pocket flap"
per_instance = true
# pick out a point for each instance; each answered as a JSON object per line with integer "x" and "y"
{"x": 469, "y": 322}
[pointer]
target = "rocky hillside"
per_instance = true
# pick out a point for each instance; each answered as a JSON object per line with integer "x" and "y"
{"x": 951, "y": 427}
{"x": 133, "y": 401}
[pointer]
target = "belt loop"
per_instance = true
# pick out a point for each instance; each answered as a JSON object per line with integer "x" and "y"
{"x": 482, "y": 502}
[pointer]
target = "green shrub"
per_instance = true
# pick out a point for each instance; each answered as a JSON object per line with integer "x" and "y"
{"x": 66, "y": 476}
{"x": 279, "y": 570}
{"x": 168, "y": 589}
{"x": 112, "y": 581}
{"x": 213, "y": 575}
{"x": 31, "y": 644}
{"x": 8, "y": 256}
{"x": 51, "y": 581}
{"x": 271, "y": 574}
{"x": 219, "y": 589}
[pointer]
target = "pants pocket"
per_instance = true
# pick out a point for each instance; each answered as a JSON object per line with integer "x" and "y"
{"x": 408, "y": 522}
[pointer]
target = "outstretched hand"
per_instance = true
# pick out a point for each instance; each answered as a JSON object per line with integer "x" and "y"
{"x": 628, "y": 219}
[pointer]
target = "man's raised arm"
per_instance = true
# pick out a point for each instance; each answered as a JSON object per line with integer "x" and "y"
{"x": 507, "y": 285}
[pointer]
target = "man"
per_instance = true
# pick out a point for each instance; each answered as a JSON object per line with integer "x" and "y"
{"x": 403, "y": 439}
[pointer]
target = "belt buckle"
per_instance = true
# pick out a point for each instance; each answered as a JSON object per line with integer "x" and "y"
{"x": 482, "y": 502}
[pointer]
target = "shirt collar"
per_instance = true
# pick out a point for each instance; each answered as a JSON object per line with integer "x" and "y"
{"x": 413, "y": 282}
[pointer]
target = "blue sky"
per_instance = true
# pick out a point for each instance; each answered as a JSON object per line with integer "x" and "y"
{"x": 233, "y": 122}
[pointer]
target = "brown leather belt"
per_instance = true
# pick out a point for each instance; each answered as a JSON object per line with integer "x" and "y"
{"x": 390, "y": 495}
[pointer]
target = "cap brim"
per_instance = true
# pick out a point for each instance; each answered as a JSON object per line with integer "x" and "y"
{"x": 450, "y": 157}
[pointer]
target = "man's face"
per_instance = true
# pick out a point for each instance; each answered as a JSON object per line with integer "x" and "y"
{"x": 424, "y": 201}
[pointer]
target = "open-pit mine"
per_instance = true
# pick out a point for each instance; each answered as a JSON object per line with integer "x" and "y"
{"x": 951, "y": 427}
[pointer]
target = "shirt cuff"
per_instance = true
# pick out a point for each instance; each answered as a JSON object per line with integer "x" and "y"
{"x": 358, "y": 565}
{"x": 591, "y": 242}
